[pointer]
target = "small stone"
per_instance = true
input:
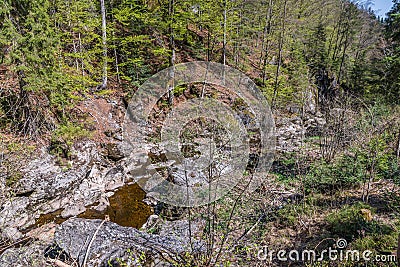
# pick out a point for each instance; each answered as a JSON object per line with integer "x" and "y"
{"x": 367, "y": 214}
{"x": 113, "y": 152}
{"x": 73, "y": 210}
{"x": 118, "y": 137}
{"x": 44, "y": 233}
{"x": 11, "y": 233}
{"x": 151, "y": 221}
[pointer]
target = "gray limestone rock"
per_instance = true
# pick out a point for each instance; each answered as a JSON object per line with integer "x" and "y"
{"x": 101, "y": 242}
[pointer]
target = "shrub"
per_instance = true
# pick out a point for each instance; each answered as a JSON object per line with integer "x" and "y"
{"x": 355, "y": 221}
{"x": 376, "y": 242}
{"x": 345, "y": 172}
{"x": 13, "y": 156}
{"x": 64, "y": 137}
{"x": 367, "y": 162}
{"x": 289, "y": 214}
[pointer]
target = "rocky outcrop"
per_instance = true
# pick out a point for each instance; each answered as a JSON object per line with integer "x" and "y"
{"x": 47, "y": 187}
{"x": 291, "y": 131}
{"x": 31, "y": 255}
{"x": 98, "y": 242}
{"x": 289, "y": 134}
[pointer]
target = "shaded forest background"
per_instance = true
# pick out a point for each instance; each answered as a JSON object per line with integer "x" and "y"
{"x": 57, "y": 52}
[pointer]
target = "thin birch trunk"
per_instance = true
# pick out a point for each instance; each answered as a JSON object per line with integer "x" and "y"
{"x": 104, "y": 38}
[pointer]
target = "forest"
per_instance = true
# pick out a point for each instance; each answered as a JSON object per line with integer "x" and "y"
{"x": 328, "y": 69}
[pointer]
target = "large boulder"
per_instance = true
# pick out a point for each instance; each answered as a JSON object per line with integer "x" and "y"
{"x": 31, "y": 255}
{"x": 100, "y": 242}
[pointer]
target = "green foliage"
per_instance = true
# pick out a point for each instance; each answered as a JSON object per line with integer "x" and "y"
{"x": 64, "y": 137}
{"x": 391, "y": 90}
{"x": 130, "y": 22}
{"x": 353, "y": 221}
{"x": 372, "y": 158}
{"x": 180, "y": 89}
{"x": 35, "y": 54}
{"x": 285, "y": 168}
{"x": 377, "y": 242}
{"x": 379, "y": 128}
{"x": 317, "y": 54}
{"x": 377, "y": 158}
{"x": 133, "y": 258}
{"x": 346, "y": 172}
{"x": 13, "y": 158}
{"x": 36, "y": 48}
{"x": 289, "y": 215}
{"x": 55, "y": 47}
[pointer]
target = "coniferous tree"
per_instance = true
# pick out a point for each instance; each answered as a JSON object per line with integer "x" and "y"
{"x": 393, "y": 58}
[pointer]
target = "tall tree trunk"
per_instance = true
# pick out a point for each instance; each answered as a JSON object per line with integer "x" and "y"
{"x": 115, "y": 46}
{"x": 342, "y": 60}
{"x": 75, "y": 52}
{"x": 262, "y": 46}
{"x": 338, "y": 41}
{"x": 267, "y": 31}
{"x": 224, "y": 41}
{"x": 208, "y": 45}
{"x": 236, "y": 52}
{"x": 278, "y": 69}
{"x": 398, "y": 251}
{"x": 81, "y": 53}
{"x": 171, "y": 86}
{"x": 335, "y": 27}
{"x": 104, "y": 38}
{"x": 73, "y": 40}
{"x": 398, "y": 147}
